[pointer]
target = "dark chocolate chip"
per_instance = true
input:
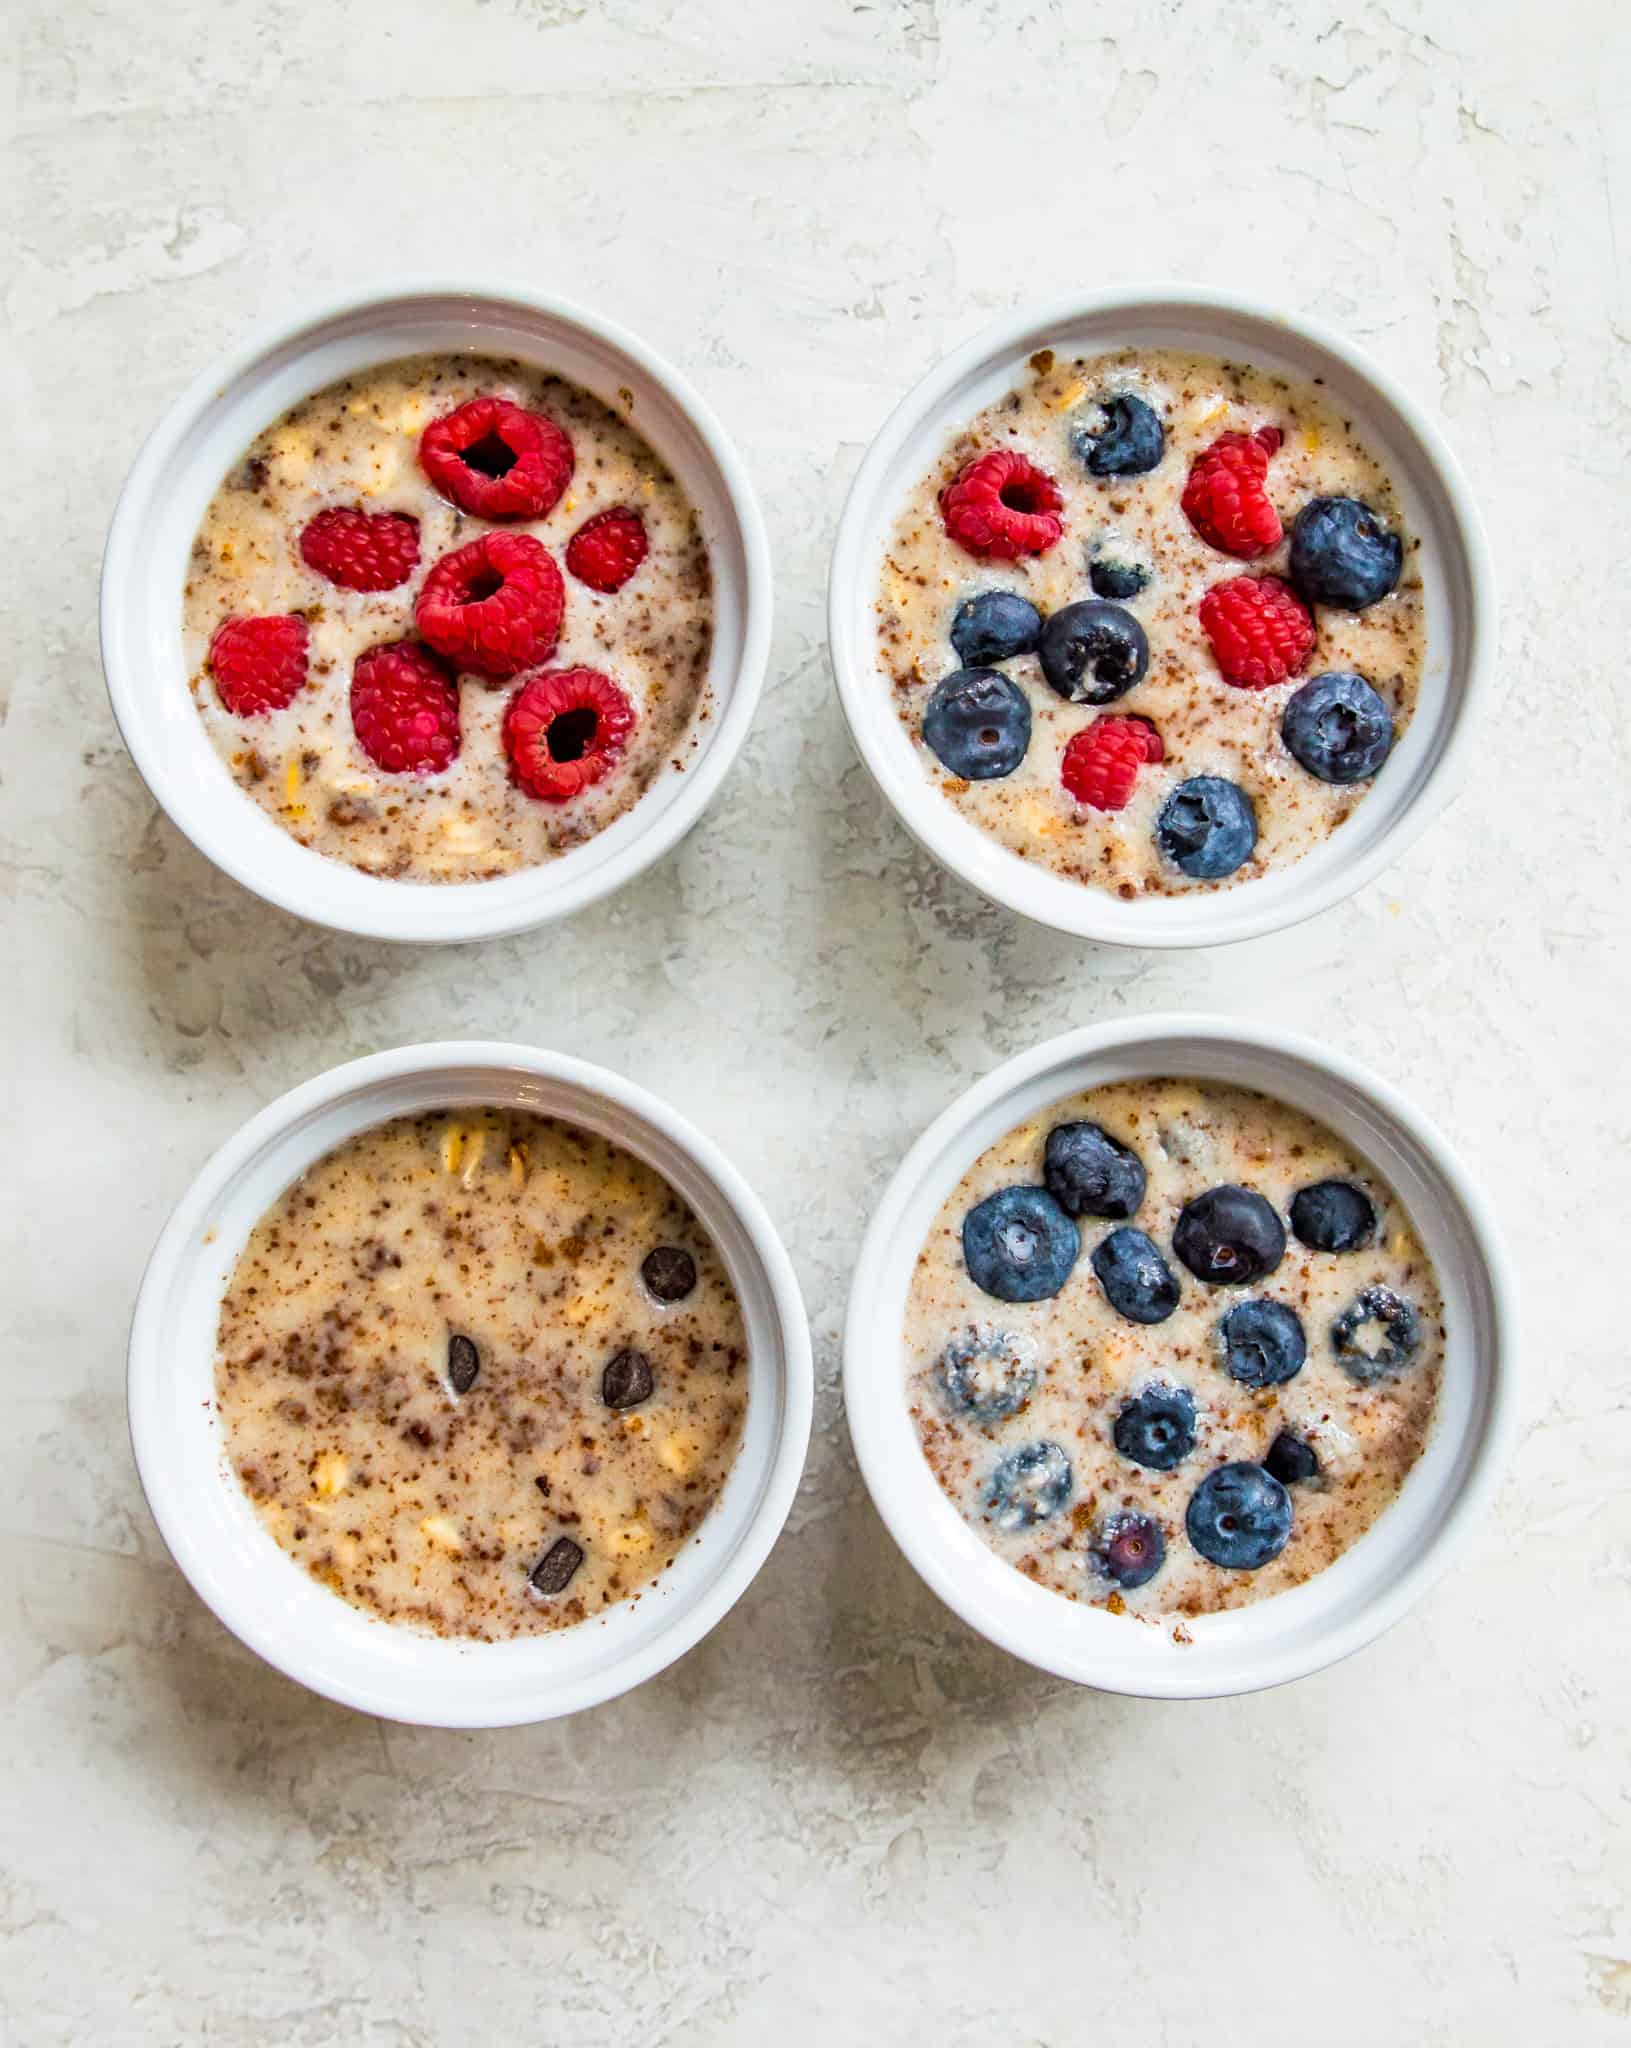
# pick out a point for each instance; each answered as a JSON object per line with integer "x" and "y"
{"x": 669, "y": 1272}
{"x": 626, "y": 1382}
{"x": 463, "y": 1363}
{"x": 554, "y": 1570}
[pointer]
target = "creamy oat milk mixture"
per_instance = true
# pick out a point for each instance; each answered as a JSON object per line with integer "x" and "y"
{"x": 355, "y": 445}
{"x": 482, "y": 1372}
{"x": 1079, "y": 1441}
{"x": 1136, "y": 522}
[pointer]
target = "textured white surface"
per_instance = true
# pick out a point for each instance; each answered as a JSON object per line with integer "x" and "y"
{"x": 842, "y": 1818}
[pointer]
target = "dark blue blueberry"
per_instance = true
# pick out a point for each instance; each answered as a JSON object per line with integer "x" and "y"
{"x": 1019, "y": 1245}
{"x": 1337, "y": 727}
{"x": 1138, "y": 1283}
{"x": 988, "y": 1374}
{"x": 1207, "y": 827}
{"x": 1239, "y": 1517}
{"x": 1376, "y": 1335}
{"x": 1130, "y": 1549}
{"x": 994, "y": 626}
{"x": 1129, "y": 440}
{"x": 1120, "y": 580}
{"x": 1028, "y": 1485}
{"x": 1290, "y": 1460}
{"x": 978, "y": 723}
{"x": 1333, "y": 1216}
{"x": 1229, "y": 1237}
{"x": 1157, "y": 1427}
{"x": 1089, "y": 1173}
{"x": 1342, "y": 554}
{"x": 1093, "y": 652}
{"x": 1263, "y": 1343}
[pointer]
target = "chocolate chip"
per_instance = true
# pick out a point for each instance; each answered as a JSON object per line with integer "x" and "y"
{"x": 626, "y": 1382}
{"x": 554, "y": 1570}
{"x": 463, "y": 1363}
{"x": 669, "y": 1272}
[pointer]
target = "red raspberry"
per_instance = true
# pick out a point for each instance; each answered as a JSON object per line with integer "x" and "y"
{"x": 405, "y": 709}
{"x": 564, "y": 729}
{"x": 496, "y": 459}
{"x": 1259, "y": 629}
{"x": 1224, "y": 498}
{"x": 606, "y": 550}
{"x": 1101, "y": 763}
{"x": 361, "y": 550}
{"x": 1001, "y": 507}
{"x": 259, "y": 664}
{"x": 494, "y": 606}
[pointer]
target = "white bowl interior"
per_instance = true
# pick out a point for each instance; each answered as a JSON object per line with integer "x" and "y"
{"x": 182, "y": 467}
{"x": 1371, "y": 1583}
{"x": 234, "y": 1563}
{"x": 1436, "y": 508}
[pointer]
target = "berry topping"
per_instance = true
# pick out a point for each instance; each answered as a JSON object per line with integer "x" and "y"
{"x": 1290, "y": 1460}
{"x": 1089, "y": 1173}
{"x": 1128, "y": 441}
{"x": 994, "y": 626}
{"x": 1263, "y": 1343}
{"x": 1259, "y": 630}
{"x": 1376, "y": 1335}
{"x": 606, "y": 550}
{"x": 1137, "y": 1281}
{"x": 1001, "y": 507}
{"x": 361, "y": 550}
{"x": 1239, "y": 1517}
{"x": 1207, "y": 828}
{"x": 1101, "y": 763}
{"x": 1225, "y": 499}
{"x": 1113, "y": 578}
{"x": 988, "y": 1374}
{"x": 1156, "y": 1428}
{"x": 1093, "y": 652}
{"x": 1342, "y": 555}
{"x": 1028, "y": 1486}
{"x": 494, "y": 606}
{"x": 405, "y": 709}
{"x": 1019, "y": 1245}
{"x": 978, "y": 723}
{"x": 564, "y": 729}
{"x": 1333, "y": 1216}
{"x": 259, "y": 664}
{"x": 1338, "y": 727}
{"x": 497, "y": 460}
{"x": 1130, "y": 1549}
{"x": 1229, "y": 1236}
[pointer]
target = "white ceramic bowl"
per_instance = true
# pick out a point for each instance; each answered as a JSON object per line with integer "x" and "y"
{"x": 1459, "y": 585}
{"x": 207, "y": 430}
{"x": 1370, "y": 1585}
{"x": 255, "y": 1588}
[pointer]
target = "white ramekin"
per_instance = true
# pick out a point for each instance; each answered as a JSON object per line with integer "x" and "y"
{"x": 1372, "y": 1584}
{"x": 276, "y": 1608}
{"x": 1460, "y": 595}
{"x": 207, "y": 430}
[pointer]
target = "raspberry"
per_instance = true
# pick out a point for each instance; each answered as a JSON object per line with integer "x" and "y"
{"x": 1101, "y": 764}
{"x": 1259, "y": 629}
{"x": 259, "y": 664}
{"x": 606, "y": 550}
{"x": 1001, "y": 507}
{"x": 496, "y": 459}
{"x": 405, "y": 709}
{"x": 494, "y": 606}
{"x": 1224, "y": 499}
{"x": 564, "y": 729}
{"x": 361, "y": 550}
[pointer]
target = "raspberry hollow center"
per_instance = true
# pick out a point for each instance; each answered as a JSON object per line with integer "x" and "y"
{"x": 491, "y": 456}
{"x": 1022, "y": 494}
{"x": 484, "y": 584}
{"x": 572, "y": 734}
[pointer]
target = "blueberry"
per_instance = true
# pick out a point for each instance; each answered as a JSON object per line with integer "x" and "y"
{"x": 1138, "y": 1283}
{"x": 1093, "y": 652}
{"x": 1337, "y": 727}
{"x": 994, "y": 626}
{"x": 979, "y": 723}
{"x": 1028, "y": 1485}
{"x": 988, "y": 1374}
{"x": 1290, "y": 1460}
{"x": 1376, "y": 1334}
{"x": 1157, "y": 1427}
{"x": 1129, "y": 441}
{"x": 1019, "y": 1245}
{"x": 1333, "y": 1216}
{"x": 1263, "y": 1343}
{"x": 1130, "y": 1549}
{"x": 1239, "y": 1517}
{"x": 1207, "y": 827}
{"x": 1342, "y": 554}
{"x": 1111, "y": 578}
{"x": 1089, "y": 1173}
{"x": 1229, "y": 1237}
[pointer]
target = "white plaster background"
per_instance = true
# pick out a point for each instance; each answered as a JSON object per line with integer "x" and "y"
{"x": 843, "y": 1818}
